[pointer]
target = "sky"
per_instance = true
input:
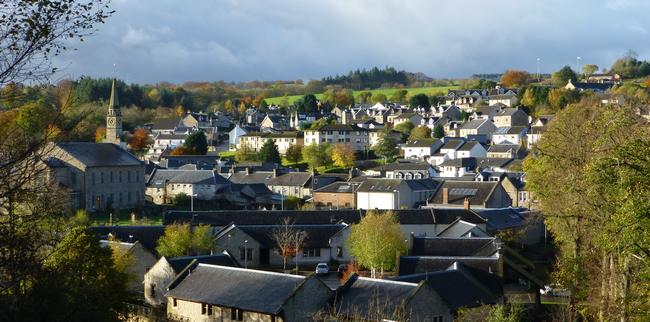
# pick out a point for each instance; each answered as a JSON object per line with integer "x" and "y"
{"x": 149, "y": 41}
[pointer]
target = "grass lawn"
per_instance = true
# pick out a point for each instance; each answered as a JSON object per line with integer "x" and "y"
{"x": 123, "y": 218}
{"x": 227, "y": 154}
{"x": 386, "y": 91}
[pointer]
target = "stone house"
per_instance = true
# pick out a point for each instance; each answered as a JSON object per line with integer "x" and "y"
{"x": 282, "y": 140}
{"x": 220, "y": 293}
{"x": 99, "y": 175}
{"x": 164, "y": 184}
{"x": 165, "y": 270}
{"x": 394, "y": 193}
{"x": 510, "y": 117}
{"x": 477, "y": 194}
{"x": 337, "y": 195}
{"x": 274, "y": 122}
{"x": 505, "y": 149}
{"x": 294, "y": 184}
{"x": 406, "y": 117}
{"x": 505, "y": 99}
{"x": 351, "y": 135}
{"x": 479, "y": 126}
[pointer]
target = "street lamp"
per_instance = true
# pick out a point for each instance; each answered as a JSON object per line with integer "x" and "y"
{"x": 246, "y": 253}
{"x": 397, "y": 198}
{"x": 192, "y": 201}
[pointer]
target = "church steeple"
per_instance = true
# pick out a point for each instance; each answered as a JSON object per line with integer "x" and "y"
{"x": 113, "y": 118}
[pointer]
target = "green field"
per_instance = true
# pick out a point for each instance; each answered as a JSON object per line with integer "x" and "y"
{"x": 386, "y": 91}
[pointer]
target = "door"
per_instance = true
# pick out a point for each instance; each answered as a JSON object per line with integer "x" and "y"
{"x": 264, "y": 256}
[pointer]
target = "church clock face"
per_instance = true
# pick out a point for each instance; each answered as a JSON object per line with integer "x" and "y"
{"x": 111, "y": 121}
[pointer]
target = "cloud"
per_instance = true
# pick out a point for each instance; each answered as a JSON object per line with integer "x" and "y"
{"x": 156, "y": 40}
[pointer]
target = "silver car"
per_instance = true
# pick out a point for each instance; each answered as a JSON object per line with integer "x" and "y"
{"x": 322, "y": 269}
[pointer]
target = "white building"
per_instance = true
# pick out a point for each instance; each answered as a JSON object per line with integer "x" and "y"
{"x": 421, "y": 149}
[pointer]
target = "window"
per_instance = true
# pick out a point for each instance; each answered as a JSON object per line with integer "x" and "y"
{"x": 110, "y": 178}
{"x": 311, "y": 252}
{"x": 101, "y": 177}
{"x": 128, "y": 196}
{"x": 92, "y": 178}
{"x": 174, "y": 303}
{"x": 248, "y": 255}
{"x": 437, "y": 318}
{"x": 128, "y": 173}
{"x": 236, "y": 315}
{"x": 339, "y": 251}
{"x": 120, "y": 177}
{"x": 152, "y": 290}
{"x": 206, "y": 309}
{"x": 523, "y": 196}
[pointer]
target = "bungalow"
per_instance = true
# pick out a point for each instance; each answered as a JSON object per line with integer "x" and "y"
{"x": 220, "y": 293}
{"x": 394, "y": 193}
{"x": 295, "y": 184}
{"x": 505, "y": 99}
{"x": 470, "y": 193}
{"x": 421, "y": 149}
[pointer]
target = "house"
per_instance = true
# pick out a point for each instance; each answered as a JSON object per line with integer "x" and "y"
{"x": 510, "y": 117}
{"x": 604, "y": 78}
{"x": 234, "y": 136}
{"x": 543, "y": 121}
{"x": 471, "y": 149}
{"x": 461, "y": 228}
{"x": 294, "y": 184}
{"x": 165, "y": 126}
{"x": 591, "y": 87}
{"x": 201, "y": 162}
{"x": 299, "y": 118}
{"x": 505, "y": 149}
{"x": 403, "y": 169}
{"x": 450, "y": 148}
{"x": 406, "y": 117}
{"x": 394, "y": 193}
{"x": 505, "y": 99}
{"x": 256, "y": 245}
{"x": 336, "y": 195}
{"x": 479, "y": 126}
{"x": 147, "y": 236}
{"x": 98, "y": 175}
{"x": 421, "y": 149}
{"x": 510, "y": 134}
{"x": 274, "y": 122}
{"x": 514, "y": 183}
{"x": 369, "y": 299}
{"x": 165, "y": 184}
{"x": 486, "y": 112}
{"x": 283, "y": 140}
{"x": 534, "y": 135}
{"x": 165, "y": 270}
{"x": 476, "y": 194}
{"x": 143, "y": 259}
{"x": 221, "y": 293}
{"x": 351, "y": 135}
{"x": 248, "y": 195}
{"x": 456, "y": 168}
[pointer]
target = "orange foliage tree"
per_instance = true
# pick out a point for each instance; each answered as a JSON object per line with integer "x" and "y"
{"x": 100, "y": 134}
{"x": 515, "y": 78}
{"x": 140, "y": 139}
{"x": 181, "y": 150}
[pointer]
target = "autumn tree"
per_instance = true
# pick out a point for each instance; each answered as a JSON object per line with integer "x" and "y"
{"x": 419, "y": 133}
{"x": 245, "y": 153}
{"x": 100, "y": 134}
{"x": 140, "y": 140}
{"x": 288, "y": 239}
{"x": 185, "y": 240}
{"x": 399, "y": 96}
{"x": 376, "y": 241}
{"x": 317, "y": 155}
{"x": 364, "y": 97}
{"x": 379, "y": 98}
{"x": 269, "y": 152}
{"x": 294, "y": 153}
{"x": 404, "y": 129}
{"x": 515, "y": 78}
{"x": 343, "y": 156}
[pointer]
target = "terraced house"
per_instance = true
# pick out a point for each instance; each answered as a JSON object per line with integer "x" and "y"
{"x": 352, "y": 135}
{"x": 282, "y": 140}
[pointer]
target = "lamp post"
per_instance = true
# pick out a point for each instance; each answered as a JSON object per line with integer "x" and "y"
{"x": 538, "y": 71}
{"x": 397, "y": 199}
{"x": 246, "y": 253}
{"x": 192, "y": 201}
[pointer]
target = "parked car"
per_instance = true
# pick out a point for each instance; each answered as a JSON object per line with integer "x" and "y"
{"x": 554, "y": 290}
{"x": 342, "y": 269}
{"x": 322, "y": 269}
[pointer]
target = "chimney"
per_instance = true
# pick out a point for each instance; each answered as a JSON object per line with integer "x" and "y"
{"x": 445, "y": 195}
{"x": 466, "y": 203}
{"x": 248, "y": 170}
{"x": 275, "y": 172}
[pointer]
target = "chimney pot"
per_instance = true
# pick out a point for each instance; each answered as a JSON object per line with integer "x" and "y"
{"x": 466, "y": 204}
{"x": 445, "y": 195}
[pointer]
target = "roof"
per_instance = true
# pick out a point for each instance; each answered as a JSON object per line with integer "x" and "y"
{"x": 203, "y": 177}
{"x": 421, "y": 264}
{"x": 452, "y": 144}
{"x": 455, "y": 246}
{"x": 339, "y": 127}
{"x": 424, "y": 143}
{"x": 179, "y": 263}
{"x": 473, "y": 124}
{"x": 501, "y": 219}
{"x": 359, "y": 296}
{"x": 339, "y": 187}
{"x": 502, "y": 148}
{"x": 478, "y": 287}
{"x": 478, "y": 192}
{"x": 147, "y": 235}
{"x": 510, "y": 130}
{"x": 510, "y": 111}
{"x": 285, "y": 134}
{"x": 299, "y": 179}
{"x": 380, "y": 185}
{"x": 99, "y": 154}
{"x": 597, "y": 87}
{"x": 422, "y": 184}
{"x": 204, "y": 162}
{"x": 246, "y": 289}
{"x": 173, "y": 136}
{"x": 468, "y": 146}
{"x": 459, "y": 163}
{"x": 493, "y": 162}
{"x": 318, "y": 236}
{"x": 254, "y": 177}
{"x": 165, "y": 124}
{"x": 422, "y": 166}
{"x": 314, "y": 217}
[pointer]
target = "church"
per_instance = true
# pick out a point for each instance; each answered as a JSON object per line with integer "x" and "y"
{"x": 99, "y": 176}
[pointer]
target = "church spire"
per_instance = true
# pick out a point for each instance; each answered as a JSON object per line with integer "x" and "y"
{"x": 113, "y": 118}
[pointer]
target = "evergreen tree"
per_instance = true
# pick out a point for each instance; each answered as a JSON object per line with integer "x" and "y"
{"x": 197, "y": 143}
{"x": 386, "y": 145}
{"x": 269, "y": 152}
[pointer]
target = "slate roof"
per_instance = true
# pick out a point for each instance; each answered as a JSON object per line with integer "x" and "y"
{"x": 396, "y": 166}
{"x": 339, "y": 127}
{"x": 421, "y": 264}
{"x": 493, "y": 162}
{"x": 174, "y": 136}
{"x": 478, "y": 287}
{"x": 460, "y": 246}
{"x": 510, "y": 130}
{"x": 339, "y": 187}
{"x": 503, "y": 148}
{"x": 452, "y": 144}
{"x": 246, "y": 289}
{"x": 422, "y": 184}
{"x": 473, "y": 124}
{"x": 165, "y": 124}
{"x": 596, "y": 87}
{"x": 468, "y": 146}
{"x": 359, "y": 296}
{"x": 99, "y": 154}
{"x": 318, "y": 236}
{"x": 380, "y": 185}
{"x": 204, "y": 162}
{"x": 501, "y": 219}
{"x": 314, "y": 217}
{"x": 202, "y": 177}
{"x": 179, "y": 263}
{"x": 478, "y": 192}
{"x": 459, "y": 163}
{"x": 147, "y": 235}
{"x": 254, "y": 177}
{"x": 297, "y": 179}
{"x": 425, "y": 143}
{"x": 284, "y": 134}
{"x": 510, "y": 111}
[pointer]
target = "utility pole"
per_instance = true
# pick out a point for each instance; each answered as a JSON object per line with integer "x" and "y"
{"x": 539, "y": 77}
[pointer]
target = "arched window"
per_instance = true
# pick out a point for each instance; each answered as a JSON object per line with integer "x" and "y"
{"x": 409, "y": 176}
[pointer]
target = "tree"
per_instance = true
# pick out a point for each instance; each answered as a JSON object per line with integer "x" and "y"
{"x": 419, "y": 133}
{"x": 82, "y": 283}
{"x": 399, "y": 96}
{"x": 364, "y": 97}
{"x": 562, "y": 76}
{"x": 181, "y": 199}
{"x": 245, "y": 153}
{"x": 379, "y": 98}
{"x": 140, "y": 140}
{"x": 419, "y": 100}
{"x": 589, "y": 69}
{"x": 515, "y": 78}
{"x": 438, "y": 132}
{"x": 183, "y": 240}
{"x": 294, "y": 153}
{"x": 317, "y": 155}
{"x": 558, "y": 98}
{"x": 376, "y": 241}
{"x": 343, "y": 156}
{"x": 404, "y": 128}
{"x": 269, "y": 152}
{"x": 288, "y": 239}
{"x": 386, "y": 144}
{"x": 100, "y": 134}
{"x": 197, "y": 143}
{"x": 307, "y": 103}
